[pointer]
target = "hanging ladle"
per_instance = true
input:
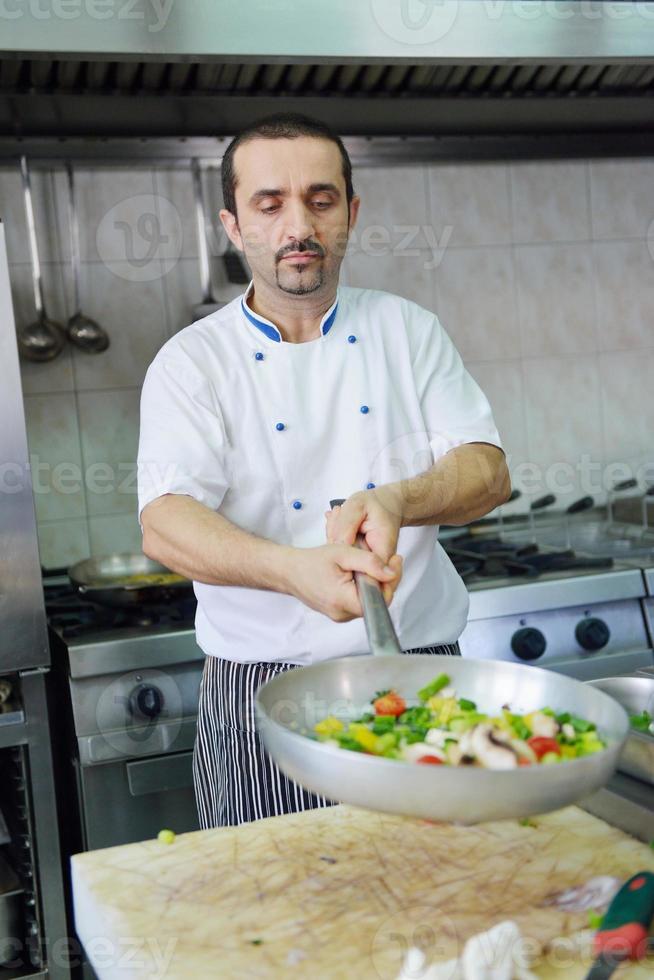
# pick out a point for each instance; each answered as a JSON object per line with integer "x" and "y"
{"x": 82, "y": 331}
{"x": 42, "y": 340}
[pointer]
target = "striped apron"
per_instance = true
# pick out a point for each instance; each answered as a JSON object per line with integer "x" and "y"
{"x": 235, "y": 779}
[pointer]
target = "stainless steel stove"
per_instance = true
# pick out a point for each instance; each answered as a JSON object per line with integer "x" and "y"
{"x": 552, "y": 606}
{"x": 127, "y": 695}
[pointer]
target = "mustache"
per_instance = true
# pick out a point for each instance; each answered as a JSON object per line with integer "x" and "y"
{"x": 306, "y": 246}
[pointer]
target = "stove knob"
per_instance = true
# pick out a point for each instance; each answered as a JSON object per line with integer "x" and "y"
{"x": 528, "y": 643}
{"x": 592, "y": 633}
{"x": 147, "y": 701}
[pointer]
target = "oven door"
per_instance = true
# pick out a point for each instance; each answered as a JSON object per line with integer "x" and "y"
{"x": 133, "y": 799}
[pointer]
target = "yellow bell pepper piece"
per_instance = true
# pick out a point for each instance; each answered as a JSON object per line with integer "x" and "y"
{"x": 328, "y": 726}
{"x": 366, "y": 739}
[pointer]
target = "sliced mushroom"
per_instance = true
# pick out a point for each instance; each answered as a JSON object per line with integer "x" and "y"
{"x": 544, "y": 725}
{"x": 491, "y": 748}
{"x": 568, "y": 731}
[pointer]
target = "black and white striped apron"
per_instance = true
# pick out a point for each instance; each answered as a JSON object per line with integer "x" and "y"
{"x": 235, "y": 779}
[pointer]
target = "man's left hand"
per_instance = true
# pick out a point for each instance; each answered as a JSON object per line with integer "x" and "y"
{"x": 363, "y": 513}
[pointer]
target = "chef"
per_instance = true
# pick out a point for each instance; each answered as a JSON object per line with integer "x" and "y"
{"x": 254, "y": 417}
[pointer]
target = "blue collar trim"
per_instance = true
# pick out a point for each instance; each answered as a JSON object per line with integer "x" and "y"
{"x": 263, "y": 325}
{"x": 271, "y": 331}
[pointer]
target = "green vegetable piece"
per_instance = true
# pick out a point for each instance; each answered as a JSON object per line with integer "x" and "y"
{"x": 386, "y": 741}
{"x": 412, "y": 737}
{"x": 256, "y": 942}
{"x": 418, "y": 717}
{"x": 166, "y": 837}
{"x": 564, "y": 718}
{"x": 466, "y": 705}
{"x": 550, "y": 758}
{"x": 383, "y": 723}
{"x": 527, "y": 822}
{"x": 518, "y": 725}
{"x": 581, "y": 725}
{"x": 641, "y": 722}
{"x": 429, "y": 690}
{"x": 347, "y": 742}
{"x": 595, "y": 920}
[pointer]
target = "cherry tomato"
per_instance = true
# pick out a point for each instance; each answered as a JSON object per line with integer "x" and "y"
{"x": 390, "y": 704}
{"x": 430, "y": 760}
{"x": 542, "y": 745}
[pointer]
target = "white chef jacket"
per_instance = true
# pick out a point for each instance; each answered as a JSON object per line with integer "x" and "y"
{"x": 266, "y": 432}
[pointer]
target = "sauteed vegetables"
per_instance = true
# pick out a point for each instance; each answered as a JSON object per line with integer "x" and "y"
{"x": 445, "y": 729}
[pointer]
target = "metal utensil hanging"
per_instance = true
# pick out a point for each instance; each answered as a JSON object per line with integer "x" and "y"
{"x": 209, "y": 303}
{"x": 82, "y": 331}
{"x": 43, "y": 339}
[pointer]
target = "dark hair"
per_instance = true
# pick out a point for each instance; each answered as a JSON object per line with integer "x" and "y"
{"x": 283, "y": 125}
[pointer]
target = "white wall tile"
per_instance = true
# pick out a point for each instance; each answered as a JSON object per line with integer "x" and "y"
{"x": 393, "y": 207}
{"x": 62, "y": 543}
{"x": 622, "y": 198}
{"x": 115, "y": 533}
{"x": 624, "y": 283}
{"x": 476, "y": 302}
{"x": 408, "y": 276}
{"x": 550, "y": 202}
{"x": 54, "y": 445}
{"x": 564, "y": 422}
{"x": 628, "y": 406}
{"x": 109, "y": 429}
{"x": 105, "y": 200}
{"x": 182, "y": 293}
{"x": 175, "y": 185}
{"x": 502, "y": 383}
{"x": 556, "y": 301}
{"x": 133, "y": 315}
{"x": 470, "y": 203}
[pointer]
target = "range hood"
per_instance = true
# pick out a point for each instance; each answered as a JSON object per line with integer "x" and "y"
{"x": 575, "y": 73}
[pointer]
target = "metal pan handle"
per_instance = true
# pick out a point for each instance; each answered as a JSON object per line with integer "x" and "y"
{"x": 382, "y": 637}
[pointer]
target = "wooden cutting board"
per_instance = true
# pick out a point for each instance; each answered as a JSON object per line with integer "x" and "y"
{"x": 340, "y": 893}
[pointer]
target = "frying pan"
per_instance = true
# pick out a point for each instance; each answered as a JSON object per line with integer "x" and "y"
{"x": 288, "y": 707}
{"x": 118, "y": 580}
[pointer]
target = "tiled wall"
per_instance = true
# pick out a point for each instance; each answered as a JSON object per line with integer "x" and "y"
{"x": 543, "y": 273}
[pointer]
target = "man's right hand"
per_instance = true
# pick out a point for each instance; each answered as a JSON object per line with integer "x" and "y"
{"x": 322, "y": 578}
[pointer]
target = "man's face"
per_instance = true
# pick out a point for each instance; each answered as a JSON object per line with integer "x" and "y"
{"x": 292, "y": 210}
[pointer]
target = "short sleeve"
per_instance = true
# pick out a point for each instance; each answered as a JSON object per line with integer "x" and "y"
{"x": 182, "y": 443}
{"x": 454, "y": 407}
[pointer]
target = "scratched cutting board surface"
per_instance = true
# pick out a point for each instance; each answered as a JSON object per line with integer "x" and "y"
{"x": 341, "y": 892}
